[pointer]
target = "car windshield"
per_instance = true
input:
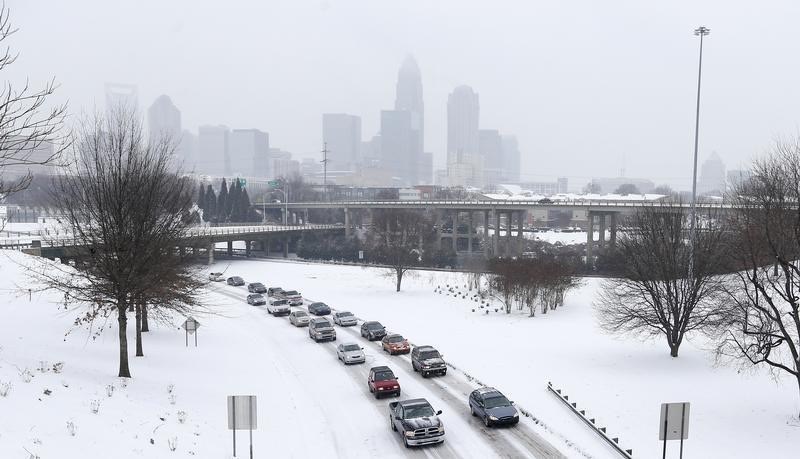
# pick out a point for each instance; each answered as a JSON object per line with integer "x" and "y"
{"x": 322, "y": 323}
{"x": 291, "y": 292}
{"x": 396, "y": 339}
{"x": 320, "y": 305}
{"x": 237, "y": 279}
{"x": 256, "y": 297}
{"x": 374, "y": 325}
{"x": 279, "y": 302}
{"x": 300, "y": 314}
{"x": 495, "y": 400}
{"x": 418, "y": 411}
{"x": 384, "y": 375}
{"x": 257, "y": 285}
{"x": 352, "y": 347}
{"x": 345, "y": 314}
{"x": 425, "y": 355}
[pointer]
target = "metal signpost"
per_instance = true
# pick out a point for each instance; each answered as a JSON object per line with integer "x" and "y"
{"x": 673, "y": 424}
{"x": 242, "y": 414}
{"x": 191, "y": 326}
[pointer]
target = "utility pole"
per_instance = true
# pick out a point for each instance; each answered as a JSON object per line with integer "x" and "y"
{"x": 701, "y": 31}
{"x": 325, "y": 170}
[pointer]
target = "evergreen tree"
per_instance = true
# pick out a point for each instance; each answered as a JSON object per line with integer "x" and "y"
{"x": 244, "y": 207}
{"x": 210, "y": 212}
{"x": 222, "y": 202}
{"x": 233, "y": 198}
{"x": 201, "y": 198}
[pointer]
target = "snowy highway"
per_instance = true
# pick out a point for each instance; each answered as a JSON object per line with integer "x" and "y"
{"x": 361, "y": 428}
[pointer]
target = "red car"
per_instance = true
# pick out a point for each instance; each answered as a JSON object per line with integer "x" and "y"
{"x": 395, "y": 344}
{"x": 382, "y": 381}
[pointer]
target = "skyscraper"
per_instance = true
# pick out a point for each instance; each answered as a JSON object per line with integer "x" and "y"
{"x": 712, "y": 175}
{"x": 512, "y": 160}
{"x": 463, "y": 150}
{"x": 164, "y": 120}
{"x": 248, "y": 153}
{"x": 397, "y": 145}
{"x": 212, "y": 150}
{"x": 120, "y": 96}
{"x": 491, "y": 151}
{"x": 342, "y": 135}
{"x": 409, "y": 97}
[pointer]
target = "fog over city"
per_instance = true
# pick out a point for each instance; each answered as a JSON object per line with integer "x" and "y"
{"x": 588, "y": 88}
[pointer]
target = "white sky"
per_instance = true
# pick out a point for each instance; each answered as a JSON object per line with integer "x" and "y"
{"x": 581, "y": 83}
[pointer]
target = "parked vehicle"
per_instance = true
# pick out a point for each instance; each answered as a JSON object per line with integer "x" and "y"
{"x": 274, "y": 291}
{"x": 350, "y": 353}
{"x": 236, "y": 281}
{"x": 256, "y": 287}
{"x": 492, "y": 407}
{"x": 395, "y": 344}
{"x": 319, "y": 309}
{"x": 299, "y": 318}
{"x": 344, "y": 318}
{"x": 319, "y": 329}
{"x": 294, "y": 297}
{"x": 256, "y": 299}
{"x": 373, "y": 330}
{"x": 216, "y": 277}
{"x": 278, "y": 307}
{"x": 428, "y": 361}
{"x": 416, "y": 421}
{"x": 382, "y": 381}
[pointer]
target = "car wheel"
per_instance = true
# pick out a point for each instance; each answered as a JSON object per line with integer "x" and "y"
{"x": 486, "y": 421}
{"x": 424, "y": 374}
{"x": 405, "y": 440}
{"x": 391, "y": 424}
{"x": 472, "y": 410}
{"x": 414, "y": 367}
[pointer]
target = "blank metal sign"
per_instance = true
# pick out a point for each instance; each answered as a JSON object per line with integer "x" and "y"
{"x": 676, "y": 416}
{"x": 242, "y": 412}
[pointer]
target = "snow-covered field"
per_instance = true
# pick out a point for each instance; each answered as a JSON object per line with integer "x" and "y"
{"x": 312, "y": 406}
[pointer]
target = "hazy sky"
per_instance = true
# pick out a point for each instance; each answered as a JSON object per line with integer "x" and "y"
{"x": 582, "y": 83}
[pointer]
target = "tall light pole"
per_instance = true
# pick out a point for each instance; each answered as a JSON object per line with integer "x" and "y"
{"x": 701, "y": 31}
{"x": 325, "y": 170}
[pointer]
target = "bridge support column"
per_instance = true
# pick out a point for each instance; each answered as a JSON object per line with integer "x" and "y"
{"x": 613, "y": 230}
{"x": 346, "y": 222}
{"x": 521, "y": 233}
{"x": 509, "y": 227}
{"x": 470, "y": 226}
{"x": 454, "y": 234}
{"x": 496, "y": 236}
{"x": 439, "y": 229}
{"x": 247, "y": 248}
{"x": 230, "y": 248}
{"x": 266, "y": 246}
{"x": 305, "y": 216}
{"x": 486, "y": 240}
{"x": 602, "y": 238}
{"x": 211, "y": 253}
{"x": 286, "y": 247}
{"x": 589, "y": 238}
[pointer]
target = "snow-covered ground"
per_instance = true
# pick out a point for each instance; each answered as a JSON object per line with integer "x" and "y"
{"x": 312, "y": 406}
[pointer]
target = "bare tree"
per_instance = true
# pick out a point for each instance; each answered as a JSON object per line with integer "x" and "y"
{"x": 128, "y": 209}
{"x": 654, "y": 295}
{"x": 763, "y": 317}
{"x": 27, "y": 126}
{"x": 397, "y": 238}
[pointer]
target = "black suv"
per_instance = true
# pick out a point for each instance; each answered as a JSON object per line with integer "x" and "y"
{"x": 236, "y": 281}
{"x": 373, "y": 330}
{"x": 256, "y": 287}
{"x": 427, "y": 360}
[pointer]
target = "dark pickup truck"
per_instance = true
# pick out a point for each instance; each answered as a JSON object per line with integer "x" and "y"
{"x": 416, "y": 421}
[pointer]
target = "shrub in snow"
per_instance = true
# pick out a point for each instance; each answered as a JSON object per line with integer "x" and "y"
{"x": 44, "y": 366}
{"x": 72, "y": 429}
{"x": 123, "y": 382}
{"x": 5, "y": 388}
{"x": 64, "y": 383}
{"x": 58, "y": 367}
{"x": 173, "y": 443}
{"x": 110, "y": 390}
{"x": 170, "y": 388}
{"x": 182, "y": 416}
{"x": 173, "y": 399}
{"x": 94, "y": 406}
{"x": 26, "y": 375}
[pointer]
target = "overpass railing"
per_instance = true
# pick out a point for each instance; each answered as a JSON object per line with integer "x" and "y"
{"x": 504, "y": 202}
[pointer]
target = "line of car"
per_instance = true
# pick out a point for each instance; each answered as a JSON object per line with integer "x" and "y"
{"x": 415, "y": 419}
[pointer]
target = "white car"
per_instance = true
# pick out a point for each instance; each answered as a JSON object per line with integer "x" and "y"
{"x": 350, "y": 353}
{"x": 278, "y": 307}
{"x": 344, "y": 319}
{"x": 299, "y": 318}
{"x": 294, "y": 297}
{"x": 216, "y": 277}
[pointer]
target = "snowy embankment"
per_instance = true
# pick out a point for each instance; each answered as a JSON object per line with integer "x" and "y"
{"x": 620, "y": 381}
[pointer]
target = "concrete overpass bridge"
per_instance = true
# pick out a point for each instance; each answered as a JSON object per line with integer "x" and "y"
{"x": 197, "y": 242}
{"x": 504, "y": 216}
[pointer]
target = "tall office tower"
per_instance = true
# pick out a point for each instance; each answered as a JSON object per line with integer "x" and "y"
{"x": 463, "y": 155}
{"x": 512, "y": 159}
{"x": 490, "y": 146}
{"x": 187, "y": 151}
{"x": 342, "y": 136}
{"x": 409, "y": 97}
{"x": 397, "y": 145}
{"x": 212, "y": 150}
{"x": 248, "y": 153}
{"x": 121, "y": 96}
{"x": 164, "y": 120}
{"x": 712, "y": 175}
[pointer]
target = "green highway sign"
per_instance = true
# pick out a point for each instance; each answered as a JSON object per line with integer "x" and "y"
{"x": 274, "y": 183}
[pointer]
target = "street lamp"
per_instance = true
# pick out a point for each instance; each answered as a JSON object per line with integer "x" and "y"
{"x": 701, "y": 31}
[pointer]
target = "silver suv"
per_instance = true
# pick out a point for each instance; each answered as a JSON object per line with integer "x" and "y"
{"x": 319, "y": 329}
